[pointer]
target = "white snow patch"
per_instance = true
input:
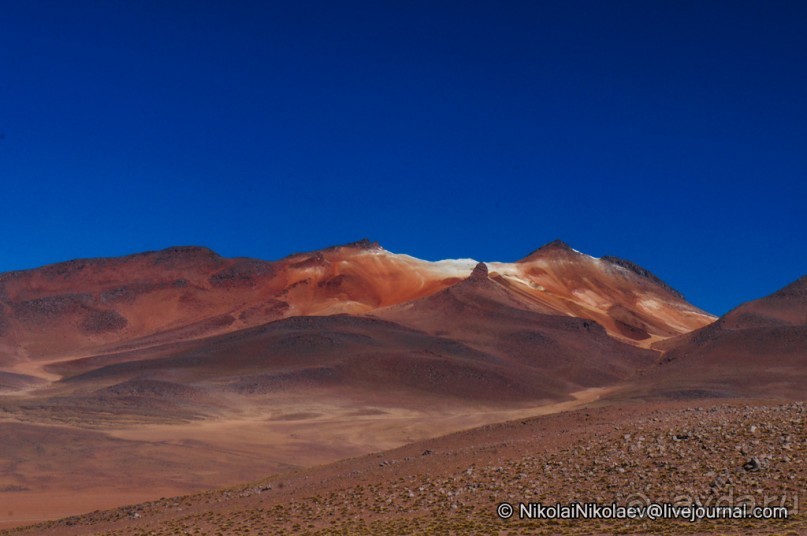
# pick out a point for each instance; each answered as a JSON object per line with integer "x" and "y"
{"x": 446, "y": 267}
{"x": 585, "y": 254}
{"x": 455, "y": 266}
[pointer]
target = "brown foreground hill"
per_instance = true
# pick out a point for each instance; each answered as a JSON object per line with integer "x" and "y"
{"x": 758, "y": 349}
{"x": 165, "y": 373}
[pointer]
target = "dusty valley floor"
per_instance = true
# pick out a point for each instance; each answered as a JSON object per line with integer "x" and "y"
{"x": 712, "y": 452}
{"x": 112, "y": 464}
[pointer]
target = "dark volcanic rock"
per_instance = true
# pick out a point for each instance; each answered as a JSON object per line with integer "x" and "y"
{"x": 244, "y": 273}
{"x": 752, "y": 465}
{"x": 480, "y": 272}
{"x": 51, "y": 307}
{"x": 128, "y": 293}
{"x": 643, "y": 272}
{"x": 554, "y": 246}
{"x": 178, "y": 255}
{"x": 103, "y": 322}
{"x": 364, "y": 243}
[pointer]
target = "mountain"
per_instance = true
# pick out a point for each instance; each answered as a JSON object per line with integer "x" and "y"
{"x": 487, "y": 313}
{"x": 785, "y": 307}
{"x": 185, "y": 334}
{"x": 89, "y": 306}
{"x": 179, "y": 370}
{"x": 631, "y": 303}
{"x": 475, "y": 340}
{"x": 757, "y": 349}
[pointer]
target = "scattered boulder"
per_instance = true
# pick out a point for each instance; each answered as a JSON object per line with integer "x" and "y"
{"x": 752, "y": 465}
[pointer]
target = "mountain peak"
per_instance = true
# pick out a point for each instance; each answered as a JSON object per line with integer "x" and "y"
{"x": 186, "y": 250}
{"x": 556, "y": 246}
{"x": 796, "y": 289}
{"x": 183, "y": 251}
{"x": 364, "y": 243}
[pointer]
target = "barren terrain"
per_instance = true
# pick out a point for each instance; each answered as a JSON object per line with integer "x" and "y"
{"x": 177, "y": 372}
{"x": 637, "y": 454}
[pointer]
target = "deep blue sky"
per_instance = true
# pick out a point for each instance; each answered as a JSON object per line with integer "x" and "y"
{"x": 673, "y": 134}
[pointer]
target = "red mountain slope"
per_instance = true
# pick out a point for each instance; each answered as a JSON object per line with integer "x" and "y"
{"x": 759, "y": 349}
{"x": 93, "y": 306}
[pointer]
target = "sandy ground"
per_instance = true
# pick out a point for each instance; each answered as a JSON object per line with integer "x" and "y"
{"x": 35, "y": 369}
{"x": 347, "y": 428}
{"x": 53, "y": 471}
{"x": 24, "y": 508}
{"x": 625, "y": 453}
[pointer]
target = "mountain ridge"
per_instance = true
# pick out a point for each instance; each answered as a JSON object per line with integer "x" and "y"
{"x": 95, "y": 304}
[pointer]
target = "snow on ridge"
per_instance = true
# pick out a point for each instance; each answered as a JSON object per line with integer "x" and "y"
{"x": 455, "y": 266}
{"x": 586, "y": 254}
{"x": 449, "y": 266}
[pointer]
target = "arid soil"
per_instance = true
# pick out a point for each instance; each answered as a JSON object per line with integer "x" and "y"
{"x": 105, "y": 458}
{"x": 718, "y": 452}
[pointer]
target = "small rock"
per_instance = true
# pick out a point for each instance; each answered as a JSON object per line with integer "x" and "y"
{"x": 752, "y": 465}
